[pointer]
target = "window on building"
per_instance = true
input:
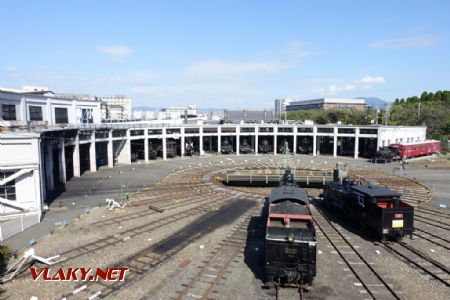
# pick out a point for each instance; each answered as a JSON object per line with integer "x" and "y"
{"x": 305, "y": 129}
{"x": 61, "y": 115}
{"x": 7, "y": 191}
{"x": 9, "y": 112}
{"x": 35, "y": 113}
{"x": 191, "y": 130}
{"x": 325, "y": 130}
{"x": 209, "y": 130}
{"x": 346, "y": 130}
{"x": 247, "y": 129}
{"x": 86, "y": 116}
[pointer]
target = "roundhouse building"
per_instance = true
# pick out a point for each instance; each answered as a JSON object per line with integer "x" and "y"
{"x": 35, "y": 164}
{"x": 54, "y": 155}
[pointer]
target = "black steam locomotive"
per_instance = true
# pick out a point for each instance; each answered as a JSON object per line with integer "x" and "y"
{"x": 245, "y": 147}
{"x": 374, "y": 207}
{"x": 152, "y": 152}
{"x": 387, "y": 154}
{"x": 265, "y": 147}
{"x": 227, "y": 147}
{"x": 189, "y": 148}
{"x": 290, "y": 236}
{"x": 305, "y": 146}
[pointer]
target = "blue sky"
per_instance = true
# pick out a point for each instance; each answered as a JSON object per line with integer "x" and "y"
{"x": 227, "y": 54}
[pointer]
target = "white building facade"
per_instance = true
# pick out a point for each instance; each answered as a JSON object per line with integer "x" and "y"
{"x": 21, "y": 184}
{"x": 116, "y": 107}
{"x": 22, "y": 107}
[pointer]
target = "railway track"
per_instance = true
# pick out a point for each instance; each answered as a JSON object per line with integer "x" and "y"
{"x": 209, "y": 276}
{"x": 432, "y": 222}
{"x": 432, "y": 238}
{"x": 135, "y": 231}
{"x": 370, "y": 279}
{"x": 412, "y": 191}
{"x": 144, "y": 261}
{"x": 420, "y": 261}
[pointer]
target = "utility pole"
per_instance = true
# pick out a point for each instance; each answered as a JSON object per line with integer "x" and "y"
{"x": 418, "y": 112}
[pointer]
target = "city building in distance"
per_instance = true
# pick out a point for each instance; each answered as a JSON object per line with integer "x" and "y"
{"x": 116, "y": 107}
{"x": 321, "y": 103}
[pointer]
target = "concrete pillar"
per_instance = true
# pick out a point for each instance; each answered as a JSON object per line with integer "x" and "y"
{"x": 76, "y": 158}
{"x": 210, "y": 143}
{"x": 164, "y": 144}
{"x": 238, "y": 144}
{"x": 294, "y": 143}
{"x": 49, "y": 168}
{"x": 62, "y": 161}
{"x": 335, "y": 135}
{"x": 314, "y": 141}
{"x": 183, "y": 143}
{"x": 23, "y": 110}
{"x": 125, "y": 154}
{"x": 275, "y": 142}
{"x": 202, "y": 152}
{"x": 110, "y": 150}
{"x": 256, "y": 144}
{"x": 92, "y": 154}
{"x": 356, "y": 154}
{"x": 146, "y": 145}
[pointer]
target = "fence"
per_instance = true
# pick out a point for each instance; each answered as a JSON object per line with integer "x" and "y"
{"x": 18, "y": 224}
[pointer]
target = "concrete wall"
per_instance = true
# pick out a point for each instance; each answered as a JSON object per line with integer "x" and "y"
{"x": 22, "y": 153}
{"x": 398, "y": 134}
{"x": 48, "y": 105}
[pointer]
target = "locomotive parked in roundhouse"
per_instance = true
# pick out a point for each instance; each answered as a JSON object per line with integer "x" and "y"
{"x": 290, "y": 236}
{"x": 227, "y": 147}
{"x": 374, "y": 207}
{"x": 189, "y": 147}
{"x": 245, "y": 147}
{"x": 408, "y": 150}
{"x": 265, "y": 147}
{"x": 152, "y": 152}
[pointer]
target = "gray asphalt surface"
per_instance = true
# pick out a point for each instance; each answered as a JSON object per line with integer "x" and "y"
{"x": 91, "y": 189}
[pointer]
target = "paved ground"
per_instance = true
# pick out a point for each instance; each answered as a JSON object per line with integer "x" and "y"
{"x": 91, "y": 189}
{"x": 243, "y": 279}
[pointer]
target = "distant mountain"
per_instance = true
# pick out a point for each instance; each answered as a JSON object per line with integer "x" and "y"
{"x": 374, "y": 102}
{"x": 199, "y": 109}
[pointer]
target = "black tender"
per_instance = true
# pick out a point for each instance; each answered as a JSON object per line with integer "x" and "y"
{"x": 290, "y": 248}
{"x": 373, "y": 207}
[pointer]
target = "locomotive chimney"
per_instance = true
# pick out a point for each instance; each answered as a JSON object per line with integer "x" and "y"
{"x": 396, "y": 202}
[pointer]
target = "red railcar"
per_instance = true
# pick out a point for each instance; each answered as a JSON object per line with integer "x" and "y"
{"x": 418, "y": 149}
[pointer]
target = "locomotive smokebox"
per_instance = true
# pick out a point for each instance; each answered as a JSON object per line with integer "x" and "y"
{"x": 336, "y": 175}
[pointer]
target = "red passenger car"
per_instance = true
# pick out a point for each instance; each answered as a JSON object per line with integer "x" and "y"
{"x": 418, "y": 149}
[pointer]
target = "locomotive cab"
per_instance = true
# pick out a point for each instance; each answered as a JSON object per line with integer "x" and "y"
{"x": 375, "y": 207}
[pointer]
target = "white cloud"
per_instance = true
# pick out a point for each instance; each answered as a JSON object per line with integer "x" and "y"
{"x": 203, "y": 94}
{"x": 116, "y": 53}
{"x": 419, "y": 41}
{"x": 366, "y": 82}
{"x": 217, "y": 67}
{"x": 287, "y": 56}
{"x": 10, "y": 69}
